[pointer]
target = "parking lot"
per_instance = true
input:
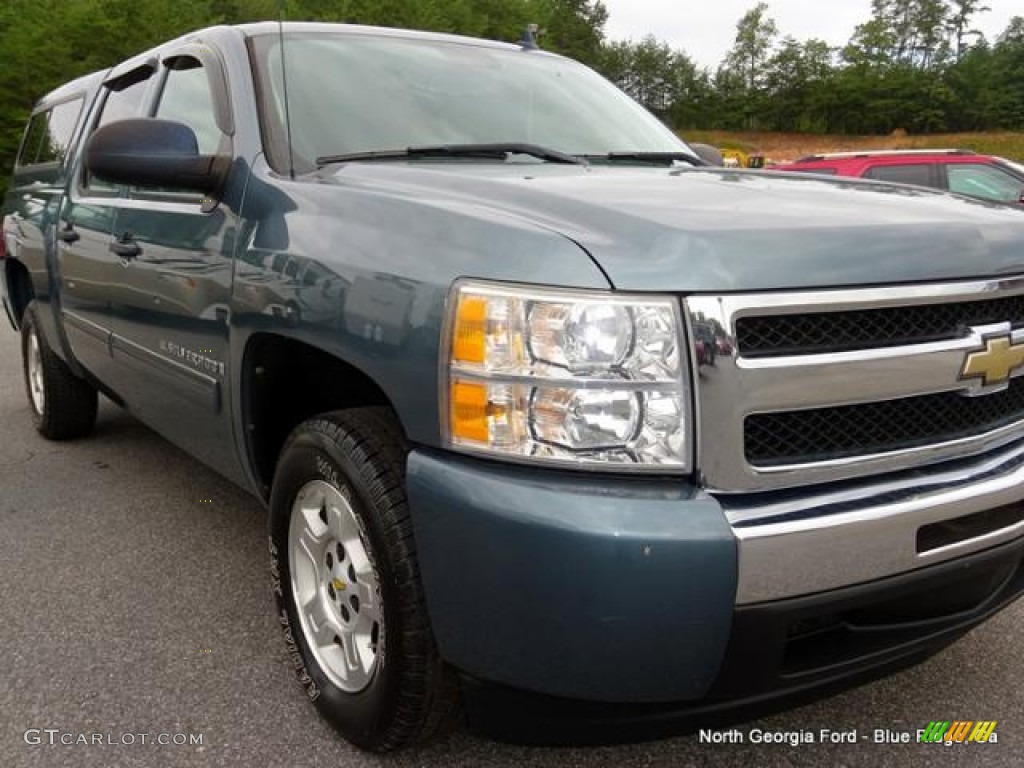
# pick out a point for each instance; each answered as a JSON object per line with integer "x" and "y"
{"x": 136, "y": 602}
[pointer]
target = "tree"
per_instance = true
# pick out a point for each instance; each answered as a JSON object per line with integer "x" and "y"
{"x": 572, "y": 27}
{"x": 799, "y": 78}
{"x": 960, "y": 16}
{"x": 1007, "y": 80}
{"x": 755, "y": 34}
{"x": 665, "y": 81}
{"x": 909, "y": 33}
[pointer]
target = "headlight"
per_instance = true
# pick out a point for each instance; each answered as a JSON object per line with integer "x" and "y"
{"x": 580, "y": 377}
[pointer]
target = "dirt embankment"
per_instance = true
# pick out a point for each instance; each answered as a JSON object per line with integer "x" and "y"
{"x": 787, "y": 147}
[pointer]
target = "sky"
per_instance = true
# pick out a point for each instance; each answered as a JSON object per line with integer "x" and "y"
{"x": 705, "y": 31}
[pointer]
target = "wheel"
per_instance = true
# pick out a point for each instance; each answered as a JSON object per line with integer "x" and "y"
{"x": 63, "y": 405}
{"x": 346, "y": 581}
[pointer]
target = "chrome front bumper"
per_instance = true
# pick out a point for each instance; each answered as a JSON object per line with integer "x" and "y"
{"x": 861, "y": 532}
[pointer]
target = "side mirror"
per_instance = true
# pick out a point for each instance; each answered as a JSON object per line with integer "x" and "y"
{"x": 147, "y": 152}
{"x": 708, "y": 154}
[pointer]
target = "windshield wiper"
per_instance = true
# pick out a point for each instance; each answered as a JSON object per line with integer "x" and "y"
{"x": 489, "y": 151}
{"x": 655, "y": 158}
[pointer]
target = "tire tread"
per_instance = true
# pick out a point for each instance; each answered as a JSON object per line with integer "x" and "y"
{"x": 71, "y": 403}
{"x": 428, "y": 697}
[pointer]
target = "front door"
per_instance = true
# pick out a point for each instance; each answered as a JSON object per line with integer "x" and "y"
{"x": 152, "y": 272}
{"x": 169, "y": 316}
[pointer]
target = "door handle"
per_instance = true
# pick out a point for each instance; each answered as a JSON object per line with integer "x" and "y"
{"x": 126, "y": 248}
{"x": 68, "y": 234}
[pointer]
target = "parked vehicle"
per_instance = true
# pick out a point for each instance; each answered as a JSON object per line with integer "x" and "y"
{"x": 440, "y": 312}
{"x": 985, "y": 177}
{"x": 704, "y": 339}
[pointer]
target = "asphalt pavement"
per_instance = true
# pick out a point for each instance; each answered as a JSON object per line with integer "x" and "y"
{"x": 135, "y": 608}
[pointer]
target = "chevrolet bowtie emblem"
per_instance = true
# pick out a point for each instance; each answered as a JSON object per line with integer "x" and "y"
{"x": 995, "y": 363}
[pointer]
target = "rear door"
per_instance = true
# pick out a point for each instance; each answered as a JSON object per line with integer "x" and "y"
{"x": 38, "y": 187}
{"x": 90, "y": 273}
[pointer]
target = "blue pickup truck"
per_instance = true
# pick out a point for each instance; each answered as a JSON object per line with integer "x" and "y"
{"x": 437, "y": 302}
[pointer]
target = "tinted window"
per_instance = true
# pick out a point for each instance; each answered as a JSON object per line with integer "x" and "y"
{"x": 984, "y": 181}
{"x": 912, "y": 173}
{"x": 49, "y": 134}
{"x": 34, "y": 135}
{"x": 188, "y": 99}
{"x": 60, "y": 129}
{"x": 118, "y": 105}
{"x": 124, "y": 103}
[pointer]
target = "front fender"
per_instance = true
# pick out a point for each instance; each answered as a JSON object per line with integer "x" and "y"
{"x": 364, "y": 275}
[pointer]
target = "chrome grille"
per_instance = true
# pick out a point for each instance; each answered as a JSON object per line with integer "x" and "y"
{"x": 819, "y": 332}
{"x": 824, "y": 434}
{"x": 793, "y": 401}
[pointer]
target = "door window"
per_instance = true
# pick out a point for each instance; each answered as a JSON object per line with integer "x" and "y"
{"x": 123, "y": 103}
{"x": 34, "y": 135}
{"x": 59, "y": 130}
{"x": 118, "y": 105}
{"x": 984, "y": 181}
{"x": 187, "y": 98}
{"x": 910, "y": 173}
{"x": 49, "y": 134}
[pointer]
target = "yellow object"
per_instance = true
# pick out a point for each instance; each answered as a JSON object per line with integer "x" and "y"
{"x": 469, "y": 411}
{"x": 738, "y": 159}
{"x": 995, "y": 363}
{"x": 469, "y": 343}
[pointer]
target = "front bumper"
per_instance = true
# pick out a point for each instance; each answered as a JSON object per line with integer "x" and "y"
{"x": 780, "y": 654}
{"x": 857, "y": 531}
{"x": 609, "y": 590}
{"x": 573, "y": 585}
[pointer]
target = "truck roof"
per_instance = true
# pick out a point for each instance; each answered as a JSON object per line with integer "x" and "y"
{"x": 84, "y": 85}
{"x": 271, "y": 27}
{"x": 93, "y": 80}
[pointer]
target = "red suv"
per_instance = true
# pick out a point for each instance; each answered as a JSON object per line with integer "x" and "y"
{"x": 954, "y": 170}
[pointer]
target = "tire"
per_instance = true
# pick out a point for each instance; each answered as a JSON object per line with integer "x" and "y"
{"x": 63, "y": 405}
{"x": 341, "y": 545}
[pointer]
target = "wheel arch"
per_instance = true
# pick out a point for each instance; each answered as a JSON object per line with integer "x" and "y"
{"x": 285, "y": 381}
{"x": 19, "y": 289}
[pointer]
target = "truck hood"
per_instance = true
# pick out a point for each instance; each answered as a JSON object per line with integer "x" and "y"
{"x": 704, "y": 230}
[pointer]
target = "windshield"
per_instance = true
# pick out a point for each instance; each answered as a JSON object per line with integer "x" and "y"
{"x": 351, "y": 93}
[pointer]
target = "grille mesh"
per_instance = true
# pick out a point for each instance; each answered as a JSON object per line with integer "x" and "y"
{"x": 821, "y": 434}
{"x": 868, "y": 328}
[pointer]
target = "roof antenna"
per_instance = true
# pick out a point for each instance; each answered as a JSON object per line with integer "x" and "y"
{"x": 529, "y": 41}
{"x": 284, "y": 84}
